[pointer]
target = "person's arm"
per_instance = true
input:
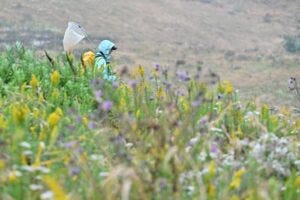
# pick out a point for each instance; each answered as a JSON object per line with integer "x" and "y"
{"x": 100, "y": 64}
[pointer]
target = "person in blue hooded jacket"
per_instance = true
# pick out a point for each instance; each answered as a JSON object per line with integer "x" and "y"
{"x": 102, "y": 60}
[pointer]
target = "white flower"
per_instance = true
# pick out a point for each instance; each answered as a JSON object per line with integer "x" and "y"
{"x": 35, "y": 187}
{"x": 213, "y": 129}
{"x": 47, "y": 195}
{"x": 25, "y": 144}
{"x": 202, "y": 156}
{"x": 103, "y": 174}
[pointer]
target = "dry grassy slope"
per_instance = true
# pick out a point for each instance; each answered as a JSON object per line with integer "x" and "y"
{"x": 163, "y": 31}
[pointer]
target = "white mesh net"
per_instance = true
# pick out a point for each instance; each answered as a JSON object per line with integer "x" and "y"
{"x": 73, "y": 35}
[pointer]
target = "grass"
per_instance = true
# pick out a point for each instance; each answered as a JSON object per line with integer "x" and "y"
{"x": 67, "y": 134}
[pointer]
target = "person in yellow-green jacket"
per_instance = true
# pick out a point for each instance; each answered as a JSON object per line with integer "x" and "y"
{"x": 102, "y": 60}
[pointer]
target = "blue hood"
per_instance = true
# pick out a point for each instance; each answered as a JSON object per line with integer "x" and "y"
{"x": 105, "y": 47}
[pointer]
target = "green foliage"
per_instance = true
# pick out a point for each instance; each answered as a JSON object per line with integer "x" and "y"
{"x": 74, "y": 136}
{"x": 292, "y": 43}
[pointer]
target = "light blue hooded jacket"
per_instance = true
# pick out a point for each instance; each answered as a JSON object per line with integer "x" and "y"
{"x": 103, "y": 59}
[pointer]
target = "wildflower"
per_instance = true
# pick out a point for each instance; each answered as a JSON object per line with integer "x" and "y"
{"x": 214, "y": 148}
{"x": 39, "y": 154}
{"x": 19, "y": 112}
{"x": 13, "y": 175}
{"x": 2, "y": 164}
{"x": 156, "y": 67}
{"x": 115, "y": 84}
{"x": 236, "y": 180}
{"x": 141, "y": 71}
{"x": 160, "y": 93}
{"x": 56, "y": 189}
{"x": 184, "y": 104}
{"x": 211, "y": 190}
{"x": 35, "y": 187}
{"x": 297, "y": 182}
{"x": 74, "y": 171}
{"x": 85, "y": 121}
{"x": 47, "y": 195}
{"x": 2, "y": 122}
{"x": 234, "y": 197}
{"x": 25, "y": 144}
{"x": 228, "y": 87}
{"x": 23, "y": 87}
{"x": 33, "y": 82}
{"x": 92, "y": 125}
{"x": 138, "y": 113}
{"x": 54, "y": 117}
{"x": 55, "y": 77}
{"x": 132, "y": 84}
{"x": 212, "y": 168}
{"x": 98, "y": 95}
{"x": 183, "y": 75}
{"x": 284, "y": 111}
{"x": 106, "y": 106}
{"x": 55, "y": 94}
{"x": 122, "y": 103}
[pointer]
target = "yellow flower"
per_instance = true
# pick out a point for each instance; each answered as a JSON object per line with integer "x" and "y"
{"x": 122, "y": 103}
{"x": 211, "y": 191}
{"x": 234, "y": 197}
{"x": 141, "y": 71}
{"x": 154, "y": 73}
{"x": 160, "y": 93}
{"x": 88, "y": 59}
{"x": 138, "y": 113}
{"x": 13, "y": 175}
{"x": 297, "y": 182}
{"x": 2, "y": 122}
{"x": 19, "y": 112}
{"x": 85, "y": 121}
{"x": 55, "y": 94}
{"x": 284, "y": 111}
{"x": 221, "y": 88}
{"x": 54, "y": 186}
{"x": 2, "y": 164}
{"x": 184, "y": 104}
{"x": 36, "y": 113}
{"x": 41, "y": 98}
{"x": 228, "y": 87}
{"x": 39, "y": 154}
{"x": 297, "y": 124}
{"x": 236, "y": 180}
{"x": 53, "y": 119}
{"x": 34, "y": 82}
{"x": 55, "y": 77}
{"x": 23, "y": 87}
{"x": 59, "y": 111}
{"x": 212, "y": 168}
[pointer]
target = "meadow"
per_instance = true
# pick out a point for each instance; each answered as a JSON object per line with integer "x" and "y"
{"x": 67, "y": 134}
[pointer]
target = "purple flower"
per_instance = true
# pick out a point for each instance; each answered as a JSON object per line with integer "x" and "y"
{"x": 183, "y": 75}
{"x": 115, "y": 84}
{"x": 92, "y": 125}
{"x": 73, "y": 170}
{"x": 132, "y": 83}
{"x": 106, "y": 105}
{"x": 156, "y": 67}
{"x": 214, "y": 148}
{"x": 196, "y": 103}
{"x": 79, "y": 119}
{"x": 70, "y": 144}
{"x": 98, "y": 95}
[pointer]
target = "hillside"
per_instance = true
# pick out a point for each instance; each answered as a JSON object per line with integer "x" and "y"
{"x": 240, "y": 40}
